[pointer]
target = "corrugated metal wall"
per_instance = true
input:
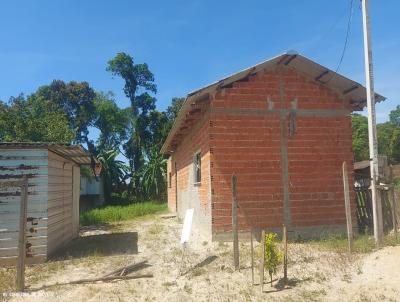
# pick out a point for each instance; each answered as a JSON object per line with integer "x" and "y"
{"x": 13, "y": 164}
{"x": 61, "y": 228}
{"x": 53, "y": 203}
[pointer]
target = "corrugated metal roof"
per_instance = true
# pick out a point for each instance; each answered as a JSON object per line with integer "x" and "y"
{"x": 75, "y": 153}
{"x": 349, "y": 89}
{"x": 361, "y": 165}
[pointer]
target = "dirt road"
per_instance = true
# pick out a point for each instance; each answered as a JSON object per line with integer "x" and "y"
{"x": 207, "y": 273}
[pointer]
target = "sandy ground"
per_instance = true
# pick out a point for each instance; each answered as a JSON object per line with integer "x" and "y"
{"x": 207, "y": 273}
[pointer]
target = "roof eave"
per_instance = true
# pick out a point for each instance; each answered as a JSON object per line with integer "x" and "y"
{"x": 286, "y": 59}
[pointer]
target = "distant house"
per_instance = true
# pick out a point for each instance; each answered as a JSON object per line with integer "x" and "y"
{"x": 362, "y": 172}
{"x": 283, "y": 127}
{"x": 92, "y": 192}
{"x": 53, "y": 172}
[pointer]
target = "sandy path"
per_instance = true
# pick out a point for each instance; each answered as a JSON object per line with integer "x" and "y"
{"x": 315, "y": 275}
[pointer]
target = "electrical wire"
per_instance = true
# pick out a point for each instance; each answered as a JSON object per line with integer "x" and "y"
{"x": 346, "y": 41}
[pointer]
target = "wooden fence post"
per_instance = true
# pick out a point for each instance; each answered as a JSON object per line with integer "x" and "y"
{"x": 395, "y": 200}
{"x": 262, "y": 262}
{"x": 252, "y": 255}
{"x": 285, "y": 259}
{"x": 347, "y": 206}
{"x": 235, "y": 224}
{"x": 22, "y": 236}
{"x": 392, "y": 199}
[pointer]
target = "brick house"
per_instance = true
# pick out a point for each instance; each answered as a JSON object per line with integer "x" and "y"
{"x": 283, "y": 127}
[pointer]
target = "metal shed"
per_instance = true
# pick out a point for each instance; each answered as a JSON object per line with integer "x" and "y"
{"x": 53, "y": 172}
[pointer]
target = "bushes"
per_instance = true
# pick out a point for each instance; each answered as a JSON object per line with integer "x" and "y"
{"x": 117, "y": 213}
{"x": 273, "y": 257}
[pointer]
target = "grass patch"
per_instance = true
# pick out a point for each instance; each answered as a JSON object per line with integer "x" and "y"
{"x": 396, "y": 182}
{"x": 362, "y": 244}
{"x": 110, "y": 214}
{"x": 337, "y": 243}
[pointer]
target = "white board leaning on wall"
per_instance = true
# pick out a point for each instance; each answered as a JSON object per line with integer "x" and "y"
{"x": 187, "y": 226}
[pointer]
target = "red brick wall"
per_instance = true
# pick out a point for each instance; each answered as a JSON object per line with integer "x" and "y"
{"x": 171, "y": 191}
{"x": 316, "y": 154}
{"x": 190, "y": 195}
{"x": 249, "y": 147}
{"x": 246, "y": 140}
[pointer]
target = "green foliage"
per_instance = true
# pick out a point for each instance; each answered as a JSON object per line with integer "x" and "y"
{"x": 384, "y": 132}
{"x": 110, "y": 120}
{"x": 112, "y": 214}
{"x": 396, "y": 182}
{"x": 360, "y": 137}
{"x": 273, "y": 257}
{"x": 114, "y": 171}
{"x": 388, "y": 137}
{"x": 394, "y": 116}
{"x": 153, "y": 178}
{"x": 134, "y": 75}
{"x": 173, "y": 110}
{"x": 395, "y": 145}
{"x": 31, "y": 121}
{"x": 75, "y": 99}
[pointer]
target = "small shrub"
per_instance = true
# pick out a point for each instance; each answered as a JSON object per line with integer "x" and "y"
{"x": 273, "y": 257}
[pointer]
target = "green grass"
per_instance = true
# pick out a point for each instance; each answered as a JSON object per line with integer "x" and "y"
{"x": 116, "y": 213}
{"x": 362, "y": 244}
{"x": 396, "y": 182}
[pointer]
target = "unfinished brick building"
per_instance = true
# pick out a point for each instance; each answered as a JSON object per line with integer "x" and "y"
{"x": 283, "y": 127}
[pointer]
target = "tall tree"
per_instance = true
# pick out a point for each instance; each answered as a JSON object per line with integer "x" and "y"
{"x": 139, "y": 82}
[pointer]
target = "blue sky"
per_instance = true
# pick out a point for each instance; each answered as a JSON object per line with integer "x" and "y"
{"x": 187, "y": 44}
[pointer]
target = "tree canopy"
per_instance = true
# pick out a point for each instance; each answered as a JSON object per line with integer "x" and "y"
{"x": 388, "y": 137}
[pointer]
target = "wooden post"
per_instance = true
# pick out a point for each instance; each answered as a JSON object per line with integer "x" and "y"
{"x": 284, "y": 239}
{"x": 252, "y": 255}
{"x": 392, "y": 199}
{"x": 22, "y": 236}
{"x": 395, "y": 199}
{"x": 235, "y": 224}
{"x": 262, "y": 262}
{"x": 347, "y": 206}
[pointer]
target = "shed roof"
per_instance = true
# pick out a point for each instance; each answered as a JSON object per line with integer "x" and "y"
{"x": 360, "y": 165}
{"x": 75, "y": 153}
{"x": 349, "y": 89}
